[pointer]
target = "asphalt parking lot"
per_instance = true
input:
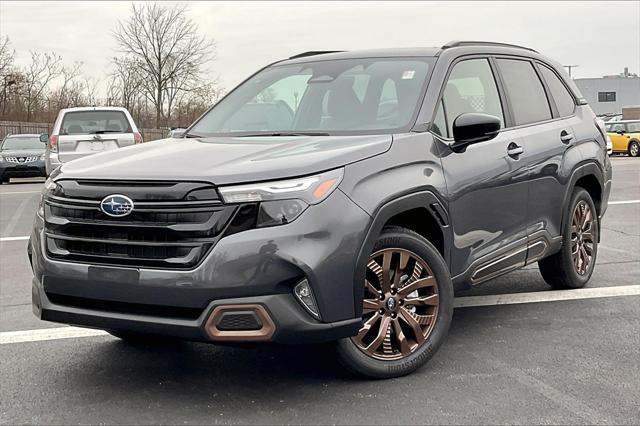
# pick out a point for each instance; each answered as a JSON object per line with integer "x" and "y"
{"x": 539, "y": 360}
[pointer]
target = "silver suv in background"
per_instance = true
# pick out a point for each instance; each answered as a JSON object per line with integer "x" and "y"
{"x": 78, "y": 132}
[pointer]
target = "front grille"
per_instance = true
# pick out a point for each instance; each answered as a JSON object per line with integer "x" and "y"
{"x": 21, "y": 160}
{"x": 125, "y": 307}
{"x": 172, "y": 225}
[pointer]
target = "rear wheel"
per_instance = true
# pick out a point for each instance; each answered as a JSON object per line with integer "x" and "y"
{"x": 573, "y": 265}
{"x": 634, "y": 149}
{"x": 407, "y": 307}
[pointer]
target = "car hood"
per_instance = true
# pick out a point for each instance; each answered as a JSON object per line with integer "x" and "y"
{"x": 225, "y": 160}
{"x": 21, "y": 152}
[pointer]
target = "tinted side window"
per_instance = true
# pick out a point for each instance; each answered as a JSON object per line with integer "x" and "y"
{"x": 470, "y": 88}
{"x": 525, "y": 91}
{"x": 564, "y": 100}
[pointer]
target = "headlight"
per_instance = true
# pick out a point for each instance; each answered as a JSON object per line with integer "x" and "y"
{"x": 49, "y": 188}
{"x": 284, "y": 200}
{"x": 1, "y": 158}
{"x": 310, "y": 189}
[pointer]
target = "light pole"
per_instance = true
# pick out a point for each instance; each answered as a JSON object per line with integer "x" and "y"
{"x": 570, "y": 67}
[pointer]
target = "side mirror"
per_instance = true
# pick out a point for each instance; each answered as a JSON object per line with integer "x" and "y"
{"x": 620, "y": 132}
{"x": 471, "y": 127}
{"x": 44, "y": 137}
{"x": 177, "y": 133}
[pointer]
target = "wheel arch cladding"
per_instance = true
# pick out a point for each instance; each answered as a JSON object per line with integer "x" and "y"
{"x": 414, "y": 211}
{"x": 591, "y": 184}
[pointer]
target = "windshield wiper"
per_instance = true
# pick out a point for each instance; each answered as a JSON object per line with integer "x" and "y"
{"x": 286, "y": 134}
{"x": 191, "y": 135}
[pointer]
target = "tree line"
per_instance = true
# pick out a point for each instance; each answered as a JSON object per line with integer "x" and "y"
{"x": 158, "y": 73}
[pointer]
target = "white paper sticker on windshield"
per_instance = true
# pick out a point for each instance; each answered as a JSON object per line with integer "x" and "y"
{"x": 408, "y": 75}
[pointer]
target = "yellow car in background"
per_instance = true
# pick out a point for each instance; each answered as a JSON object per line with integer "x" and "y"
{"x": 625, "y": 136}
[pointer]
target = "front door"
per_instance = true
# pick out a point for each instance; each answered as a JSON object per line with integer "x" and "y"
{"x": 487, "y": 187}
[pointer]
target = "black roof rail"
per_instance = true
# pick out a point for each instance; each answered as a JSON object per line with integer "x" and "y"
{"x": 458, "y": 43}
{"x": 313, "y": 53}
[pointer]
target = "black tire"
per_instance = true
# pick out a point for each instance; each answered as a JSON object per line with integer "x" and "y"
{"x": 558, "y": 270}
{"x": 634, "y": 149}
{"x": 357, "y": 361}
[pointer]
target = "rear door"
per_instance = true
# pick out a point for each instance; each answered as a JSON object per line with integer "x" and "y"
{"x": 546, "y": 123}
{"x": 89, "y": 132}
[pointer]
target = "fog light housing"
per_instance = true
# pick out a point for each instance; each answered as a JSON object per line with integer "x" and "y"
{"x": 303, "y": 293}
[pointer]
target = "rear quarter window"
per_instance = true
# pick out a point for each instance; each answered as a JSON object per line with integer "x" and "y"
{"x": 525, "y": 91}
{"x": 564, "y": 101}
{"x": 94, "y": 122}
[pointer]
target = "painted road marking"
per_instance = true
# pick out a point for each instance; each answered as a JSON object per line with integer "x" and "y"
{"x": 3, "y": 239}
{"x": 613, "y": 203}
{"x": 20, "y": 192}
{"x": 48, "y": 334}
{"x": 547, "y": 296}
{"x": 8, "y": 337}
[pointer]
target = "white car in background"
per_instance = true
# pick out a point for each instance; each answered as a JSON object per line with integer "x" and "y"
{"x": 82, "y": 131}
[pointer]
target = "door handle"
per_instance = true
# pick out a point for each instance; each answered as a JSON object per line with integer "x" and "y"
{"x": 566, "y": 137}
{"x": 514, "y": 150}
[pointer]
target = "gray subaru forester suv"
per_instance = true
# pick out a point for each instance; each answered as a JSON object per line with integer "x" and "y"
{"x": 332, "y": 196}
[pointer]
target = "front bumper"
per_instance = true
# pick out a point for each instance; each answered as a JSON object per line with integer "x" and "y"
{"x": 19, "y": 170}
{"x": 258, "y": 267}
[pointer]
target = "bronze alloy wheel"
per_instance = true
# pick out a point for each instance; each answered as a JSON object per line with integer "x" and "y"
{"x": 400, "y": 305}
{"x": 582, "y": 238}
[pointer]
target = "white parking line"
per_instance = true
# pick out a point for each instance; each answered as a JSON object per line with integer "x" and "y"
{"x": 613, "y": 203}
{"x": 547, "y": 296}
{"x": 23, "y": 336}
{"x": 20, "y": 192}
{"x": 3, "y": 239}
{"x": 48, "y": 334}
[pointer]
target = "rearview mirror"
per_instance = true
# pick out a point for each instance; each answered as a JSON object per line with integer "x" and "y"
{"x": 471, "y": 127}
{"x": 44, "y": 137}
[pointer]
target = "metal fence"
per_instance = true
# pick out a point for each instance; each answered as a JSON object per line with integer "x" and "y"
{"x": 15, "y": 127}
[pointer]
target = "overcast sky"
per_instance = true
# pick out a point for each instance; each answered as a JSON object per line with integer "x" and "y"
{"x": 600, "y": 37}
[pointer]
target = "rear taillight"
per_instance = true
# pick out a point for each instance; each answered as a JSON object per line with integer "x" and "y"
{"x": 53, "y": 143}
{"x": 137, "y": 137}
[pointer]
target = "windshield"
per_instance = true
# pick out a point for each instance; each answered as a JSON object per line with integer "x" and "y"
{"x": 350, "y": 96}
{"x": 94, "y": 122}
{"x": 23, "y": 142}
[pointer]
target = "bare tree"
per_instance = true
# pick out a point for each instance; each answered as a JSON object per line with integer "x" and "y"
{"x": 6, "y": 55}
{"x": 44, "y": 67}
{"x": 167, "y": 47}
{"x": 125, "y": 82}
{"x": 6, "y": 67}
{"x": 64, "y": 94}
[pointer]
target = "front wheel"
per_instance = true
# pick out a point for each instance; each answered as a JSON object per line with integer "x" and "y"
{"x": 407, "y": 307}
{"x": 634, "y": 149}
{"x": 573, "y": 265}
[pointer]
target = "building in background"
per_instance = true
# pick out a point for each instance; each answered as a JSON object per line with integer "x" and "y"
{"x": 608, "y": 94}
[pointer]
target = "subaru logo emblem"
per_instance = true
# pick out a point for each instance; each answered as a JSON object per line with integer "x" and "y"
{"x": 391, "y": 304}
{"x": 116, "y": 205}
